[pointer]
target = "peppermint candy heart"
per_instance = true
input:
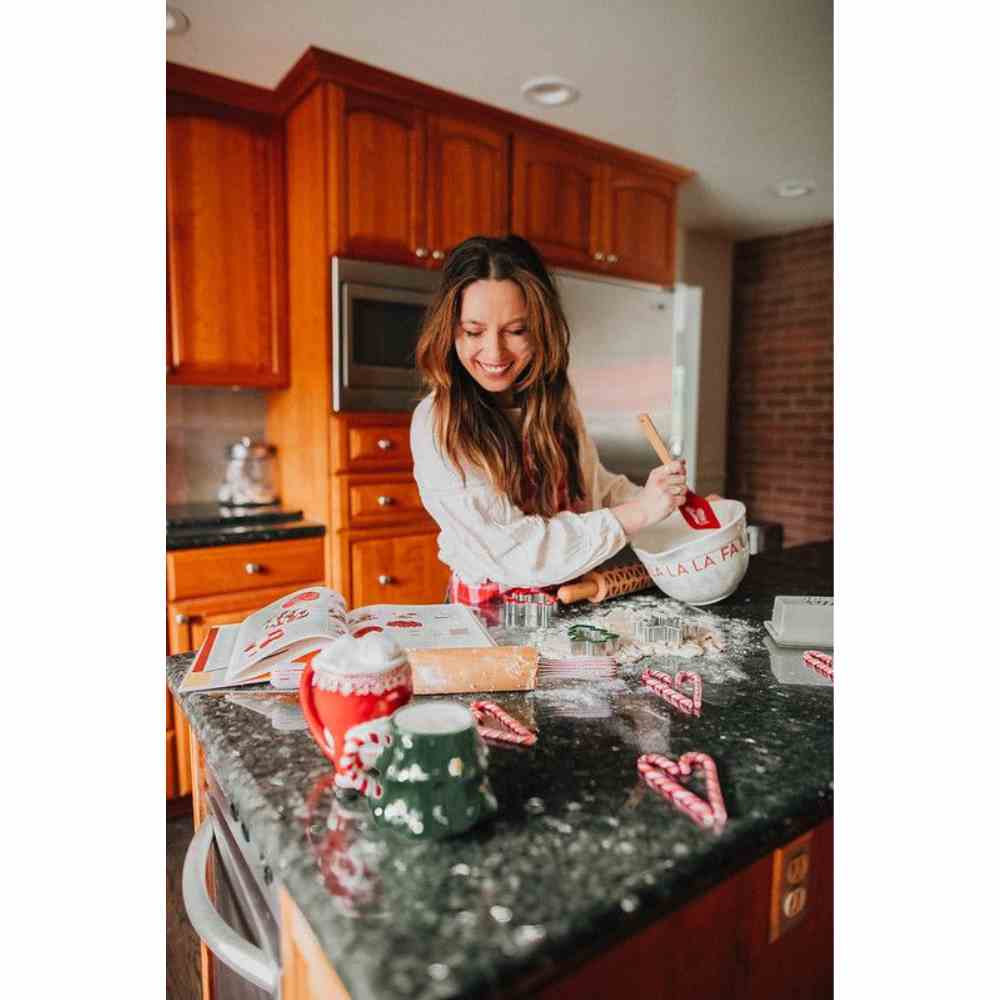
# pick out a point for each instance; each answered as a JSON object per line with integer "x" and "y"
{"x": 668, "y": 688}
{"x": 664, "y": 776}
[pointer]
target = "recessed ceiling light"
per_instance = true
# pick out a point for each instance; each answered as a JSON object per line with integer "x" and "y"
{"x": 793, "y": 189}
{"x": 177, "y": 21}
{"x": 549, "y": 91}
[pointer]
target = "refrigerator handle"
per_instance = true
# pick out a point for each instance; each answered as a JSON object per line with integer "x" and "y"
{"x": 243, "y": 957}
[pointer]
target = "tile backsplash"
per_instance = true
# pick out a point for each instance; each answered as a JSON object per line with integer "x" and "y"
{"x": 201, "y": 423}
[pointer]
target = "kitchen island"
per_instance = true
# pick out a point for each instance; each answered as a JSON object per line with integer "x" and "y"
{"x": 586, "y": 883}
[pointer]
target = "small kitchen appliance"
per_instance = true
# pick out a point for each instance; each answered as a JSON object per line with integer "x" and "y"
{"x": 251, "y": 477}
{"x": 377, "y": 311}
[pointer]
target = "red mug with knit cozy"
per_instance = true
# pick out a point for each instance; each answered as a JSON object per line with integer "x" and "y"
{"x": 348, "y": 692}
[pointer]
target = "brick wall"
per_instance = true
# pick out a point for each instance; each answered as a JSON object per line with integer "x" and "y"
{"x": 780, "y": 440}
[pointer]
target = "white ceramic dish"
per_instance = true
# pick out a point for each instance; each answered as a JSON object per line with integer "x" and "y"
{"x": 793, "y": 643}
{"x": 802, "y": 620}
{"x": 697, "y": 567}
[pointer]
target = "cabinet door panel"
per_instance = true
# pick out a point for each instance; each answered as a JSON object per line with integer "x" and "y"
{"x": 384, "y": 179}
{"x": 398, "y": 570}
{"x": 641, "y": 227}
{"x": 468, "y": 166}
{"x": 556, "y": 202}
{"x": 225, "y": 253}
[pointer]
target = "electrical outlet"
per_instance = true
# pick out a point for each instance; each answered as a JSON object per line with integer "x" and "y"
{"x": 790, "y": 886}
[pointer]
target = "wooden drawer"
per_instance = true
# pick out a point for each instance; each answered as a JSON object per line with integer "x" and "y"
{"x": 229, "y": 569}
{"x": 368, "y": 501}
{"x": 397, "y": 570}
{"x": 364, "y": 442}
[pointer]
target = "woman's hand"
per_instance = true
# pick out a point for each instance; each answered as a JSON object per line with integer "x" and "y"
{"x": 663, "y": 493}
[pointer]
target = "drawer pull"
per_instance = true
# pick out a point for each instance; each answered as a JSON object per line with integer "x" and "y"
{"x": 421, "y": 252}
{"x": 253, "y": 568}
{"x": 385, "y": 579}
{"x": 182, "y": 619}
{"x": 612, "y": 258}
{"x": 385, "y": 501}
{"x": 438, "y": 255}
{"x": 384, "y": 444}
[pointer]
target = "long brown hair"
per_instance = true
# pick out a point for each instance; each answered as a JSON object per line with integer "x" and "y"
{"x": 540, "y": 471}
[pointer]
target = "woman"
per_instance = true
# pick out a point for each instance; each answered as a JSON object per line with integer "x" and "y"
{"x": 501, "y": 457}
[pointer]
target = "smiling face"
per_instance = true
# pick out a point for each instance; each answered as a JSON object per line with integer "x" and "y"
{"x": 492, "y": 339}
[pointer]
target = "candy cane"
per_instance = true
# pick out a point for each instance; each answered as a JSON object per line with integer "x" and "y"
{"x": 512, "y": 731}
{"x": 661, "y": 774}
{"x": 822, "y": 663}
{"x": 695, "y": 758}
{"x": 685, "y": 677}
{"x": 663, "y": 685}
{"x": 352, "y": 773}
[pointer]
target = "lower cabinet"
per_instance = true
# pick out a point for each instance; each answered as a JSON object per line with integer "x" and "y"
{"x": 189, "y": 619}
{"x": 400, "y": 569}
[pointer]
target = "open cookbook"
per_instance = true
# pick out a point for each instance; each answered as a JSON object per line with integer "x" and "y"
{"x": 275, "y": 643}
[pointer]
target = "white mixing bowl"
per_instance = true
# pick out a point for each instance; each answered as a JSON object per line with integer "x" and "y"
{"x": 698, "y": 567}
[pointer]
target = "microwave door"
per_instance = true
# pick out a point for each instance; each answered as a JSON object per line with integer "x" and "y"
{"x": 380, "y": 327}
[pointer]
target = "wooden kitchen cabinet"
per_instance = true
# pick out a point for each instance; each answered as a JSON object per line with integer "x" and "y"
{"x": 226, "y": 273}
{"x": 218, "y": 575}
{"x": 640, "y": 230}
{"x": 399, "y": 569}
{"x": 468, "y": 192}
{"x": 416, "y": 184}
{"x": 384, "y": 190}
{"x": 384, "y": 544}
{"x": 557, "y": 202}
{"x": 593, "y": 214}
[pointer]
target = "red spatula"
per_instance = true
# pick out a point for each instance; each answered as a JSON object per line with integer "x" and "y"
{"x": 697, "y": 511}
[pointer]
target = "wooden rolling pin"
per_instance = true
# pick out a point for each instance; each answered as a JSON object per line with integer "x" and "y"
{"x": 599, "y": 584}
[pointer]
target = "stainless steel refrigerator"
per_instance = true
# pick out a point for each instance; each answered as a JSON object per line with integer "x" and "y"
{"x": 634, "y": 348}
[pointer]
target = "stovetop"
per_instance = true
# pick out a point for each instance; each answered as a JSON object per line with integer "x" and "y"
{"x": 211, "y": 515}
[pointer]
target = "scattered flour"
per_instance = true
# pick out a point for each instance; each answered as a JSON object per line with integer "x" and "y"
{"x": 719, "y": 644}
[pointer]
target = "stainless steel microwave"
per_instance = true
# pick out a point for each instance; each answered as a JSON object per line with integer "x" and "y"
{"x": 377, "y": 312}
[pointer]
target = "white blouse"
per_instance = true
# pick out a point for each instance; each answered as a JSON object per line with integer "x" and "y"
{"x": 485, "y": 537}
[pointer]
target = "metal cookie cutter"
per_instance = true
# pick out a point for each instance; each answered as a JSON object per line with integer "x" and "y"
{"x": 528, "y": 609}
{"x": 662, "y": 628}
{"x": 589, "y": 640}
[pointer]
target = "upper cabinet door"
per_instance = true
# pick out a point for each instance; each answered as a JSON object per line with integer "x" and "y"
{"x": 226, "y": 280}
{"x": 640, "y": 226}
{"x": 557, "y": 201}
{"x": 384, "y": 180}
{"x": 468, "y": 192}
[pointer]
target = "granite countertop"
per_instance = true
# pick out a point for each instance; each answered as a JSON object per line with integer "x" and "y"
{"x": 201, "y": 525}
{"x": 581, "y": 852}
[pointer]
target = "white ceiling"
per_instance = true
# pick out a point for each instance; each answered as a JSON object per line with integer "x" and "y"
{"x": 740, "y": 91}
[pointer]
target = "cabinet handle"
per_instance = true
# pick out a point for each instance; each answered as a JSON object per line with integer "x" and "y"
{"x": 385, "y": 579}
{"x": 598, "y": 255}
{"x": 182, "y": 619}
{"x": 438, "y": 255}
{"x": 385, "y": 501}
{"x": 421, "y": 252}
{"x": 384, "y": 444}
{"x": 253, "y": 568}
{"x": 612, "y": 258}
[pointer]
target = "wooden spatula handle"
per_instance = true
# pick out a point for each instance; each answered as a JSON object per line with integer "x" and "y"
{"x": 654, "y": 439}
